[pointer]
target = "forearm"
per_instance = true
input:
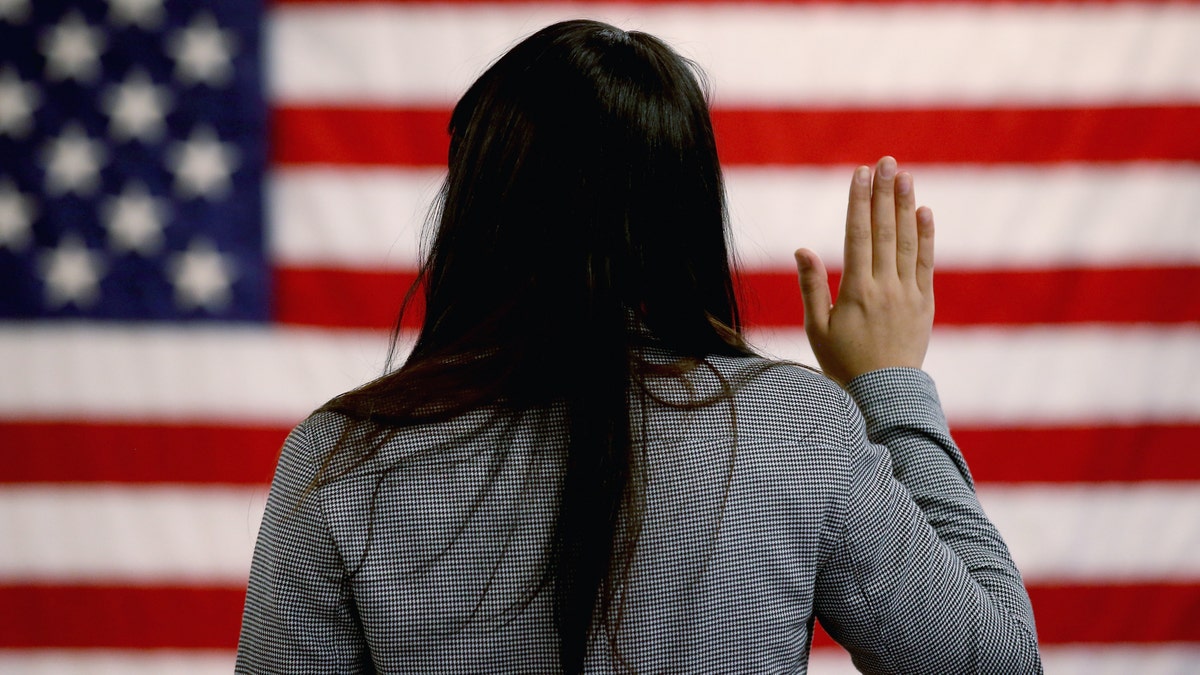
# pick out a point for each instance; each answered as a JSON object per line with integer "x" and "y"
{"x": 902, "y": 413}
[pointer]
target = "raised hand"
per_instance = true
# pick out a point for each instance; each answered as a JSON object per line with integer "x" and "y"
{"x": 884, "y": 311}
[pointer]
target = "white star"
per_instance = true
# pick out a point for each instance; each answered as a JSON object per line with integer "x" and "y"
{"x": 17, "y": 212}
{"x": 72, "y": 162}
{"x": 72, "y": 274}
{"x": 18, "y": 101}
{"x": 14, "y": 11}
{"x": 202, "y": 165}
{"x": 136, "y": 108}
{"x": 202, "y": 52}
{"x": 72, "y": 49}
{"x": 135, "y": 220}
{"x": 202, "y": 277}
{"x": 146, "y": 14}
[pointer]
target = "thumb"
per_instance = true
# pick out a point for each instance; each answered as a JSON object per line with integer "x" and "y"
{"x": 814, "y": 289}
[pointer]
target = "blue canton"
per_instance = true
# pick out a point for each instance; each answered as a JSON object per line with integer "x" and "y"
{"x": 132, "y": 157}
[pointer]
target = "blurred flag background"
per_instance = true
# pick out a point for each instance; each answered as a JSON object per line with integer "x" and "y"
{"x": 209, "y": 212}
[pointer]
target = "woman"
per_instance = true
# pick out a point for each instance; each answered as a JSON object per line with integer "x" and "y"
{"x": 582, "y": 466}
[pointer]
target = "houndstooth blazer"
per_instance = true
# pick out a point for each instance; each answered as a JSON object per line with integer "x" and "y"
{"x": 851, "y": 506}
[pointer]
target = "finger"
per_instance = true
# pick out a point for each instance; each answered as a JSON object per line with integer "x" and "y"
{"x": 814, "y": 289}
{"x": 857, "y": 253}
{"x": 883, "y": 219}
{"x": 906, "y": 226}
{"x": 924, "y": 266}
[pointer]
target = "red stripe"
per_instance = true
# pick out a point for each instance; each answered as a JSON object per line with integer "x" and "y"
{"x": 1159, "y": 295}
{"x": 1004, "y": 135}
{"x": 360, "y": 136}
{"x": 154, "y": 617}
{"x": 1147, "y": 613}
{"x": 343, "y": 298}
{"x": 1016, "y": 297}
{"x": 93, "y": 452}
{"x": 1082, "y": 454}
{"x": 418, "y": 137}
{"x": 88, "y": 452}
{"x": 120, "y": 617}
{"x": 1117, "y": 613}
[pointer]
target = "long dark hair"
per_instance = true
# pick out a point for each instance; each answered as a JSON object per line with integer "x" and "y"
{"x": 582, "y": 224}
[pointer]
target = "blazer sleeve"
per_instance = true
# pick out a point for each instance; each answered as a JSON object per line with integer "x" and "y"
{"x": 920, "y": 580}
{"x": 299, "y": 615}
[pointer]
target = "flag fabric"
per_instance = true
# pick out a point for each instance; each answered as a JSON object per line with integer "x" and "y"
{"x": 135, "y": 144}
{"x": 210, "y": 211}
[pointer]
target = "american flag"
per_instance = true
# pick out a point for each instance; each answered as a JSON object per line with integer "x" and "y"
{"x": 209, "y": 212}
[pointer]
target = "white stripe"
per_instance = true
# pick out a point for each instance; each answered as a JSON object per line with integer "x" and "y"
{"x": 988, "y": 216}
{"x": 349, "y": 218}
{"x": 131, "y": 534}
{"x": 197, "y": 535}
{"x": 1128, "y": 214}
{"x": 1115, "y": 532}
{"x": 1018, "y": 376}
{"x": 116, "y": 662}
{"x": 831, "y": 661}
{"x": 1046, "y": 376}
{"x": 195, "y": 373}
{"x": 1119, "y": 659}
{"x": 1179, "y": 659}
{"x": 810, "y": 54}
{"x": 1059, "y": 660}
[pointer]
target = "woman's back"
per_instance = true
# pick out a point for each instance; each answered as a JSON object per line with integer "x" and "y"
{"x": 425, "y": 560}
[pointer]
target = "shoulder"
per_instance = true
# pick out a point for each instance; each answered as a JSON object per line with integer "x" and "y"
{"x": 788, "y": 382}
{"x": 322, "y": 430}
{"x": 311, "y": 440}
{"x": 315, "y": 451}
{"x": 789, "y": 401}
